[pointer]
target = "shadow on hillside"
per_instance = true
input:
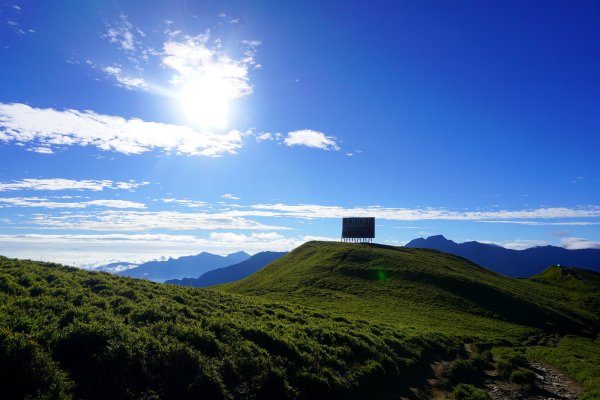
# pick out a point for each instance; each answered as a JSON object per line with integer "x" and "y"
{"x": 503, "y": 305}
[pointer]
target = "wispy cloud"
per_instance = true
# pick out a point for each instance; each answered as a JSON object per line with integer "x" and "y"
{"x": 126, "y": 81}
{"x": 310, "y": 138}
{"x": 522, "y": 244}
{"x": 41, "y": 150}
{"x": 544, "y": 223}
{"x": 185, "y": 202}
{"x": 52, "y": 128}
{"x": 10, "y": 16}
{"x": 137, "y": 221}
{"x": 122, "y": 33}
{"x": 229, "y": 20}
{"x": 415, "y": 214}
{"x": 575, "y": 243}
{"x": 267, "y": 136}
{"x": 46, "y": 203}
{"x": 68, "y": 184}
{"x": 230, "y": 196}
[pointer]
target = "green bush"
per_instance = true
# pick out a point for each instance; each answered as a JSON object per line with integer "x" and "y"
{"x": 26, "y": 371}
{"x": 523, "y": 376}
{"x": 463, "y": 370}
{"x": 469, "y": 392}
{"x": 508, "y": 360}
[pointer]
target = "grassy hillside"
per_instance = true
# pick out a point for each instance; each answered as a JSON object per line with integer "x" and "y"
{"x": 329, "y": 320}
{"x": 68, "y": 333}
{"x": 579, "y": 287}
{"x": 418, "y": 289}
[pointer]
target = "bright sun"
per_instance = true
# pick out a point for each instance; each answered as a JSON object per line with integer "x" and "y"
{"x": 205, "y": 101}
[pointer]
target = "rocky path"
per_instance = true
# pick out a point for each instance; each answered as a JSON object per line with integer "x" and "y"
{"x": 550, "y": 384}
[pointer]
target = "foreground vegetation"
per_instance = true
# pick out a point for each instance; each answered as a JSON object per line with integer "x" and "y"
{"x": 329, "y": 320}
{"x": 71, "y": 333}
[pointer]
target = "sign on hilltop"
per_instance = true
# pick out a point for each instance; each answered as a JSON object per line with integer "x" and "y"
{"x": 358, "y": 229}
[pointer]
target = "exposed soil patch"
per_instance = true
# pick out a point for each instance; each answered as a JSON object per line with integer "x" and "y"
{"x": 550, "y": 384}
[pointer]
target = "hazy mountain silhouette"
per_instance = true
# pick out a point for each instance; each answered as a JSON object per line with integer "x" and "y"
{"x": 231, "y": 273}
{"x": 517, "y": 263}
{"x": 183, "y": 267}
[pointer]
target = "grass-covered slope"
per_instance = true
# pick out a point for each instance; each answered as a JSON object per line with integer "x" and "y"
{"x": 575, "y": 286}
{"x": 329, "y": 320}
{"x": 578, "y": 279}
{"x": 68, "y": 333}
{"x": 416, "y": 288}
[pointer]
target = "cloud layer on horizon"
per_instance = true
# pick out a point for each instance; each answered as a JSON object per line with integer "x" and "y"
{"x": 88, "y": 250}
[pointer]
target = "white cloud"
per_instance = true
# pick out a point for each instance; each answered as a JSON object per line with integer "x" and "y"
{"x": 68, "y": 184}
{"x": 148, "y": 220}
{"x": 230, "y": 237}
{"x": 50, "y": 128}
{"x": 121, "y": 33}
{"x": 310, "y": 138}
{"x": 252, "y": 43}
{"x": 575, "y": 243}
{"x": 194, "y": 60}
{"x": 265, "y": 136}
{"x": 41, "y": 150}
{"x": 126, "y": 81}
{"x": 544, "y": 223}
{"x": 229, "y": 20}
{"x": 185, "y": 202}
{"x": 46, "y": 203}
{"x": 230, "y": 196}
{"x": 311, "y": 211}
{"x": 521, "y": 244}
{"x": 115, "y": 203}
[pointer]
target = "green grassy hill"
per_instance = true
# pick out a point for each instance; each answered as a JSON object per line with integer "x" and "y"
{"x": 576, "y": 286}
{"x": 417, "y": 289}
{"x": 329, "y": 320}
{"x": 69, "y": 333}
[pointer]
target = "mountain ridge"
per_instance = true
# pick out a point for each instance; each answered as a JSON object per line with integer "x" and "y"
{"x": 515, "y": 263}
{"x": 183, "y": 267}
{"x": 232, "y": 272}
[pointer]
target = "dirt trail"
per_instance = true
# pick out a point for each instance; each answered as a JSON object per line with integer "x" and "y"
{"x": 550, "y": 384}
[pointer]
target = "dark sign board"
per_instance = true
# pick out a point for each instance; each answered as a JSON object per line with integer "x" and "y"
{"x": 358, "y": 228}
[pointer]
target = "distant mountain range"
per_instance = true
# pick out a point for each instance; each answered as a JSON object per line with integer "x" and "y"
{"x": 183, "y": 267}
{"x": 231, "y": 273}
{"x": 516, "y": 263}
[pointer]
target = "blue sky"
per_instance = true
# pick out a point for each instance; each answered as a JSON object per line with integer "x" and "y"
{"x": 135, "y": 130}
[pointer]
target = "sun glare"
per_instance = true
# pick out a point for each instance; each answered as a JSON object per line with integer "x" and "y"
{"x": 206, "y": 101}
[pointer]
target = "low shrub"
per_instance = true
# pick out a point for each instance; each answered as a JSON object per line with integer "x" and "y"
{"x": 469, "y": 392}
{"x": 462, "y": 370}
{"x": 508, "y": 360}
{"x": 523, "y": 376}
